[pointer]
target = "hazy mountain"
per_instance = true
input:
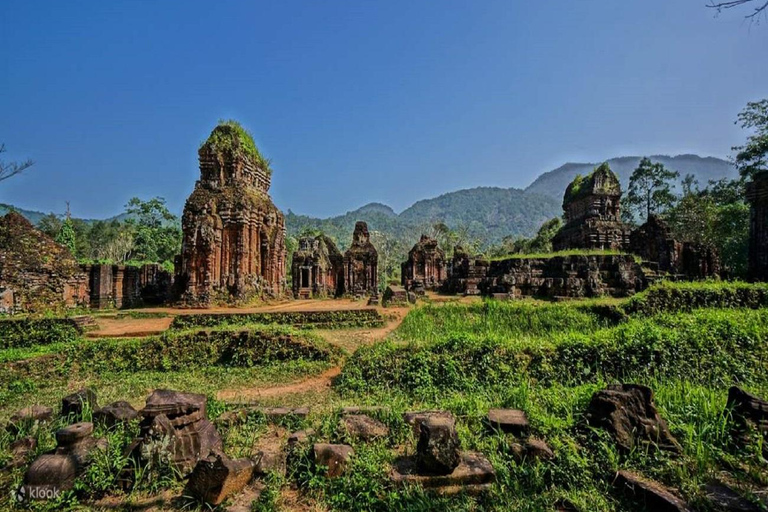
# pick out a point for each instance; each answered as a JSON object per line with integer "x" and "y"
{"x": 553, "y": 183}
{"x": 31, "y": 216}
{"x": 488, "y": 213}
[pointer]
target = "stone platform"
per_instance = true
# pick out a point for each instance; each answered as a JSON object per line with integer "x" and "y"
{"x": 473, "y": 475}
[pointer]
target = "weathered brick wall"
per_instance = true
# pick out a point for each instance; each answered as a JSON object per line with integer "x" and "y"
{"x": 565, "y": 276}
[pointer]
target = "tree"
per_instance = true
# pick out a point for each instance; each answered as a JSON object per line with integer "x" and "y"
{"x": 753, "y": 156}
{"x": 66, "y": 235}
{"x": 156, "y": 231}
{"x": 650, "y": 189}
{"x": 759, "y": 6}
{"x": 716, "y": 216}
{"x": 10, "y": 169}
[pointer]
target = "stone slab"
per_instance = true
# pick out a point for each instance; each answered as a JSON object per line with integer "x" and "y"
{"x": 512, "y": 421}
{"x": 474, "y": 473}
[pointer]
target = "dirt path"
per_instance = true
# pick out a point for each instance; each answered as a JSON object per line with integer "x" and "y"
{"x": 345, "y": 338}
{"x": 127, "y": 327}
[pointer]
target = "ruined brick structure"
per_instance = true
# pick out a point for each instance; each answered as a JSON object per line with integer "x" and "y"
{"x": 654, "y": 243}
{"x": 234, "y": 236}
{"x": 36, "y": 273}
{"x": 757, "y": 195}
{"x": 361, "y": 264}
{"x": 465, "y": 273}
{"x": 592, "y": 206}
{"x": 120, "y": 286}
{"x": 317, "y": 269}
{"x": 425, "y": 267}
{"x": 565, "y": 276}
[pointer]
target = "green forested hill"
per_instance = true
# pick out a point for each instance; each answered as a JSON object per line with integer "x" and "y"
{"x": 553, "y": 183}
{"x": 486, "y": 213}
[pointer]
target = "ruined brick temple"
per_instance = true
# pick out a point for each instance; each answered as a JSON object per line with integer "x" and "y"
{"x": 654, "y": 243}
{"x": 757, "y": 195}
{"x": 465, "y": 273}
{"x": 426, "y": 267}
{"x": 317, "y": 269}
{"x": 36, "y": 273}
{"x": 361, "y": 264}
{"x": 233, "y": 247}
{"x": 592, "y": 206}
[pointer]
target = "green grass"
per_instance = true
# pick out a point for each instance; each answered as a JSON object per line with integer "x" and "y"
{"x": 560, "y": 254}
{"x": 688, "y": 341}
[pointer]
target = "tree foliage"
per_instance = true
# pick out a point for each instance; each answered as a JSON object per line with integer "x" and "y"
{"x": 156, "y": 231}
{"x": 752, "y": 157}
{"x": 650, "y": 190}
{"x": 716, "y": 216}
{"x": 540, "y": 243}
{"x": 66, "y": 235}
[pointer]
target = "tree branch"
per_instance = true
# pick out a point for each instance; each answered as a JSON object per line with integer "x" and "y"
{"x": 737, "y": 3}
{"x": 10, "y": 169}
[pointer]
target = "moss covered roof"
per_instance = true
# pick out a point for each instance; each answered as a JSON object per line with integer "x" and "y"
{"x": 230, "y": 136}
{"x": 601, "y": 181}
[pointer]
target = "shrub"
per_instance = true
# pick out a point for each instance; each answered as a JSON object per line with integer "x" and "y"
{"x": 705, "y": 346}
{"x": 27, "y": 332}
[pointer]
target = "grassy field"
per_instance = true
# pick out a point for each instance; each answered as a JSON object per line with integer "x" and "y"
{"x": 688, "y": 342}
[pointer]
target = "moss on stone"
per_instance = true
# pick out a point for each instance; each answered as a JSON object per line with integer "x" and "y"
{"x": 230, "y": 136}
{"x": 590, "y": 184}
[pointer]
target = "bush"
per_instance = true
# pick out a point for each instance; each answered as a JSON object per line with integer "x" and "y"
{"x": 705, "y": 346}
{"x": 322, "y": 319}
{"x": 27, "y": 332}
{"x": 686, "y": 296}
{"x": 199, "y": 349}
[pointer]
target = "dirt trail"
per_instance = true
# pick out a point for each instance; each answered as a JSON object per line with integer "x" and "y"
{"x": 322, "y": 382}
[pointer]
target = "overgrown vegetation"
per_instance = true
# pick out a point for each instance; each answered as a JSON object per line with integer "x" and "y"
{"x": 318, "y": 319}
{"x": 230, "y": 136}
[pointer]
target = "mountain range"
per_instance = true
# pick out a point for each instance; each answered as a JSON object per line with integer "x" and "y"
{"x": 485, "y": 213}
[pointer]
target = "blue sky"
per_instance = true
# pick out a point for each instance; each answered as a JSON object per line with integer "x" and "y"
{"x": 360, "y": 101}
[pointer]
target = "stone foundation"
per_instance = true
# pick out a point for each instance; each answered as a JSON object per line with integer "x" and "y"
{"x": 564, "y": 276}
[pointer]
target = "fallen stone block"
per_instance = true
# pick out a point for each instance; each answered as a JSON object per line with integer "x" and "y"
{"x": 416, "y": 418}
{"x": 76, "y": 441}
{"x": 653, "y": 495}
{"x": 749, "y": 414}
{"x": 538, "y": 449}
{"x": 76, "y": 403}
{"x": 217, "y": 476}
{"x": 365, "y": 428}
{"x": 174, "y": 427}
{"x": 628, "y": 414}
{"x": 473, "y": 474}
{"x": 722, "y": 497}
{"x": 510, "y": 421}
{"x": 20, "y": 450}
{"x": 438, "y": 446}
{"x": 72, "y": 433}
{"x": 50, "y": 471}
{"x": 115, "y": 413}
{"x": 335, "y": 457}
{"x": 173, "y": 403}
{"x": 270, "y": 461}
{"x": 29, "y": 417}
{"x": 300, "y": 437}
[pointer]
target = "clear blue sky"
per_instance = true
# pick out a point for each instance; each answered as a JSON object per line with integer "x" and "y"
{"x": 359, "y": 101}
